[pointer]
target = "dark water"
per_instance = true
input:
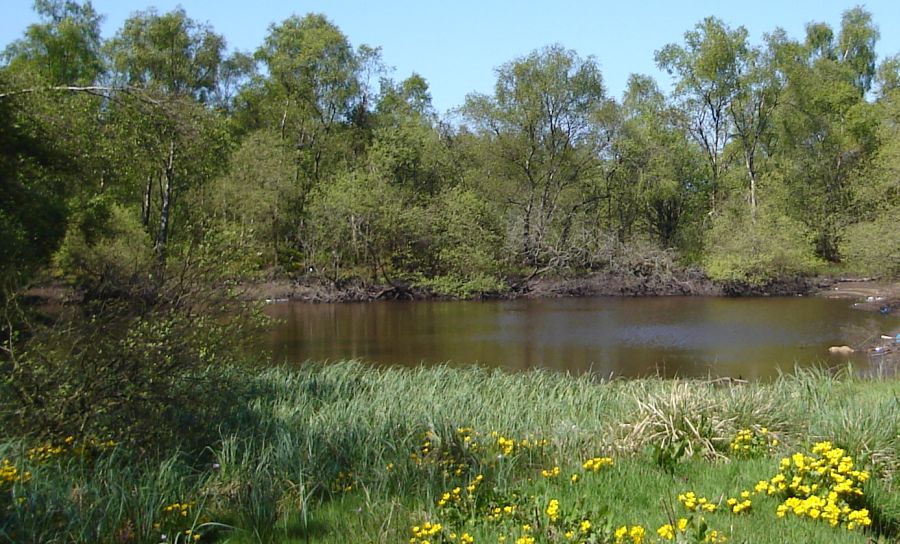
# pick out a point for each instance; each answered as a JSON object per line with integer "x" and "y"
{"x": 672, "y": 336}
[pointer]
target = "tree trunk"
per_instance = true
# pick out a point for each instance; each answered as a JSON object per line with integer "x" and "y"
{"x": 162, "y": 236}
{"x": 145, "y": 202}
{"x": 752, "y": 173}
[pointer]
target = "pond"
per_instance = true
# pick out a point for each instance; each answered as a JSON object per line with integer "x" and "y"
{"x": 749, "y": 338}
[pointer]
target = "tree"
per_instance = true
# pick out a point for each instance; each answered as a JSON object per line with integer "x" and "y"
{"x": 312, "y": 87}
{"x": 756, "y": 98}
{"x": 35, "y": 184}
{"x": 174, "y": 61}
{"x": 542, "y": 129}
{"x": 826, "y": 132}
{"x": 856, "y": 44}
{"x": 64, "y": 49}
{"x": 709, "y": 68}
{"x": 657, "y": 169}
{"x": 47, "y": 141}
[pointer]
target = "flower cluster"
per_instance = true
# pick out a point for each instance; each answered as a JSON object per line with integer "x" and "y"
{"x": 343, "y": 482}
{"x": 551, "y": 473}
{"x": 498, "y": 512}
{"x": 9, "y": 474}
{"x": 522, "y": 518}
{"x": 753, "y": 443}
{"x": 507, "y": 446}
{"x": 821, "y": 486}
{"x": 463, "y": 502}
{"x": 597, "y": 463}
{"x": 693, "y": 503}
{"x": 668, "y": 531}
{"x": 553, "y": 510}
{"x": 422, "y": 534}
{"x": 51, "y": 451}
{"x": 177, "y": 524}
{"x": 179, "y": 508}
{"x": 633, "y": 535}
{"x": 741, "y": 504}
{"x": 450, "y": 459}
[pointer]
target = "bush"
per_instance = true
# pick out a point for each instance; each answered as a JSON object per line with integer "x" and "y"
{"x": 105, "y": 250}
{"x": 873, "y": 247}
{"x": 775, "y": 247}
{"x": 468, "y": 242}
{"x": 139, "y": 371}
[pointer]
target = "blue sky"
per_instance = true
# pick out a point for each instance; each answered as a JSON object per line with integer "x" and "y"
{"x": 456, "y": 45}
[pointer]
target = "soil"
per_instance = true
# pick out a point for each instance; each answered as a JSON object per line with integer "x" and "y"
{"x": 690, "y": 282}
{"x": 871, "y": 295}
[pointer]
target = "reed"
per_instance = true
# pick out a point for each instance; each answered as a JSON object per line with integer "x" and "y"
{"x": 345, "y": 452}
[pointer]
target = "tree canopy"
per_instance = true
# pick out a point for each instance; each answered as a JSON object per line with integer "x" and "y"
{"x": 305, "y": 158}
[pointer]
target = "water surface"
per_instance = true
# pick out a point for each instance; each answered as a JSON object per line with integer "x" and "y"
{"x": 749, "y": 338}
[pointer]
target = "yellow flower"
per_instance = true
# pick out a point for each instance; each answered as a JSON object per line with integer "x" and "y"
{"x": 666, "y": 532}
{"x": 585, "y": 526}
{"x": 553, "y": 510}
{"x": 637, "y": 534}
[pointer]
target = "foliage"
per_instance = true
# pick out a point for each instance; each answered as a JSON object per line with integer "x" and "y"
{"x": 771, "y": 248}
{"x": 106, "y": 250}
{"x": 468, "y": 242}
{"x": 306, "y": 159}
{"x": 874, "y": 246}
{"x": 543, "y": 130}
{"x": 130, "y": 367}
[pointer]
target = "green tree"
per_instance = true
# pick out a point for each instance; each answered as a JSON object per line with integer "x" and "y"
{"x": 312, "y": 88}
{"x": 656, "y": 169}
{"x": 249, "y": 201}
{"x": 173, "y": 63}
{"x": 542, "y": 129}
{"x": 708, "y": 70}
{"x": 35, "y": 184}
{"x": 856, "y": 47}
{"x": 64, "y": 49}
{"x": 826, "y": 132}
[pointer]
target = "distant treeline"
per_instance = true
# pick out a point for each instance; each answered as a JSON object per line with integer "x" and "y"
{"x": 119, "y": 157}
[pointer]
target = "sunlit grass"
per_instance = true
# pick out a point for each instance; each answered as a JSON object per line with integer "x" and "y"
{"x": 336, "y": 453}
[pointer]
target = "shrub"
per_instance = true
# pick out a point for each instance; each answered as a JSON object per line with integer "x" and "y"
{"x": 105, "y": 250}
{"x": 775, "y": 247}
{"x": 873, "y": 247}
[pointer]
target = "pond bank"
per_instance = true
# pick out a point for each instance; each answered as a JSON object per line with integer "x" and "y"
{"x": 871, "y": 295}
{"x": 689, "y": 282}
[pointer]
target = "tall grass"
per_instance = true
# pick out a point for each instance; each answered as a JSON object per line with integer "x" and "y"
{"x": 323, "y": 452}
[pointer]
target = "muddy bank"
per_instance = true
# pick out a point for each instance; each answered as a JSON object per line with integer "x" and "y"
{"x": 687, "y": 282}
{"x": 880, "y": 346}
{"x": 318, "y": 290}
{"x": 869, "y": 295}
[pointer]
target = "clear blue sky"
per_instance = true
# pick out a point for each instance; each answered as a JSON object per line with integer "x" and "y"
{"x": 457, "y": 44}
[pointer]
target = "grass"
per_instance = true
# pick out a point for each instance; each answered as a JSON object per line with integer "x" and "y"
{"x": 337, "y": 453}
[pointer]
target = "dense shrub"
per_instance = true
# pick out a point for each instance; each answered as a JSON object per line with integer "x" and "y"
{"x": 773, "y": 247}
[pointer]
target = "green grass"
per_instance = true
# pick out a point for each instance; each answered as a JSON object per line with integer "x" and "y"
{"x": 303, "y": 457}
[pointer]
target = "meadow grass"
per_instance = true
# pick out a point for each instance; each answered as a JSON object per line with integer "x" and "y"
{"x": 344, "y": 452}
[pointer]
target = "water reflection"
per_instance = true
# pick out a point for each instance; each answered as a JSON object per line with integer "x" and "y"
{"x": 683, "y": 336}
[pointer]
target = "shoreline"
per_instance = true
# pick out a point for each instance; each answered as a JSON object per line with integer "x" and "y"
{"x": 871, "y": 295}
